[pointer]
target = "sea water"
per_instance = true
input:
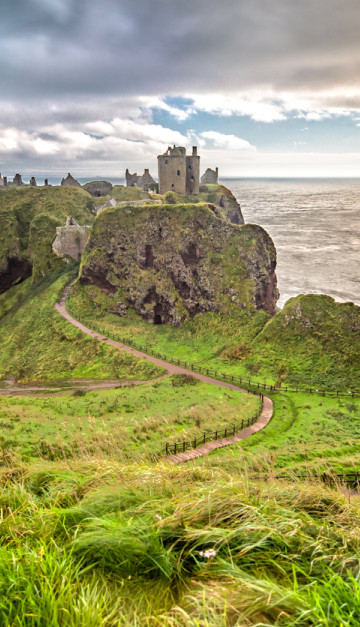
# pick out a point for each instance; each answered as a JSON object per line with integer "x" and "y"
{"x": 315, "y": 226}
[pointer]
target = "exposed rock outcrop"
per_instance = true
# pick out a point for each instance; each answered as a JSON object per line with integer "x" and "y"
{"x": 170, "y": 262}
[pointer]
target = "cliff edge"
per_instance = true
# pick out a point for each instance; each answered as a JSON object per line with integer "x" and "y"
{"x": 170, "y": 262}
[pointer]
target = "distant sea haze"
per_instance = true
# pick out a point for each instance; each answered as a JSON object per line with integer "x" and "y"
{"x": 315, "y": 226}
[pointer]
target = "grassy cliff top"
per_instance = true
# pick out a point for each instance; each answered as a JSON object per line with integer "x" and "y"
{"x": 29, "y": 217}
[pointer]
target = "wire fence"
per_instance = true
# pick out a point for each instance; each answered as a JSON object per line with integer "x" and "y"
{"x": 208, "y": 436}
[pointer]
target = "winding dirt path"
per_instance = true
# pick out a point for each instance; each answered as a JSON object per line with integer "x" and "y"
{"x": 264, "y": 418}
{"x": 54, "y": 390}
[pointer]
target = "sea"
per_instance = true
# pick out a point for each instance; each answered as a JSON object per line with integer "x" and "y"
{"x": 315, "y": 226}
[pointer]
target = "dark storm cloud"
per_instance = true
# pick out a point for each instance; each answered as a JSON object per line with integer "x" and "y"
{"x": 99, "y": 47}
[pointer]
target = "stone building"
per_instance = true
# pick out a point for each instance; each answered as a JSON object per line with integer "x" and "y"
{"x": 179, "y": 172}
{"x": 210, "y": 177}
{"x": 1, "y": 181}
{"x": 145, "y": 181}
{"x": 33, "y": 182}
{"x": 17, "y": 181}
{"x": 70, "y": 181}
{"x": 70, "y": 239}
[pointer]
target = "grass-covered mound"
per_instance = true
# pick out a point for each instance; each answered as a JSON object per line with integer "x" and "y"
{"x": 121, "y": 193}
{"x": 312, "y": 338}
{"x": 99, "y": 544}
{"x": 29, "y": 217}
{"x": 38, "y": 344}
{"x": 141, "y": 419}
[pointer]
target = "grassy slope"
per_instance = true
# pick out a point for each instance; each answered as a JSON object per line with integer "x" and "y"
{"x": 101, "y": 544}
{"x": 307, "y": 431}
{"x": 142, "y": 418}
{"x": 29, "y": 217}
{"x": 38, "y": 344}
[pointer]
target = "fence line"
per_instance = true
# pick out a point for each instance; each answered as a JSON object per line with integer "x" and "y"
{"x": 252, "y": 386}
{"x": 208, "y": 436}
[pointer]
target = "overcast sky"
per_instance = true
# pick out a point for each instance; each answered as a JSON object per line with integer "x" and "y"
{"x": 263, "y": 87}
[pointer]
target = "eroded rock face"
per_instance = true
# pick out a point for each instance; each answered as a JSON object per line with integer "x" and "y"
{"x": 15, "y": 271}
{"x": 171, "y": 262}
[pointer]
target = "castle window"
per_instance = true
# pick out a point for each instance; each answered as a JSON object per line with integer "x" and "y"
{"x": 172, "y": 185}
{"x": 192, "y": 178}
{"x": 166, "y": 161}
{"x": 178, "y": 173}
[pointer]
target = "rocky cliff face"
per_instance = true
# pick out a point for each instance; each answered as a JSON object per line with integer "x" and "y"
{"x": 170, "y": 262}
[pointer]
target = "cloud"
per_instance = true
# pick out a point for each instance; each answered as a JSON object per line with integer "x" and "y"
{"x": 118, "y": 46}
{"x": 223, "y": 142}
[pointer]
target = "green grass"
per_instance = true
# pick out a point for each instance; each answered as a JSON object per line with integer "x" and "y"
{"x": 106, "y": 544}
{"x": 140, "y": 419}
{"x": 198, "y": 340}
{"x": 312, "y": 342}
{"x": 120, "y": 193}
{"x": 29, "y": 217}
{"x": 308, "y": 434}
{"x": 38, "y": 344}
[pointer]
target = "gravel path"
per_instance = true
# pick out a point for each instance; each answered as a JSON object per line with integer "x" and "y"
{"x": 264, "y": 418}
{"x": 54, "y": 390}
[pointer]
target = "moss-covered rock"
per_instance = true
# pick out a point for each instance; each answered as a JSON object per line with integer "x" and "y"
{"x": 170, "y": 262}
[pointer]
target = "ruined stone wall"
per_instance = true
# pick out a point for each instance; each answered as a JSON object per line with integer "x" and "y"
{"x": 70, "y": 240}
{"x": 210, "y": 177}
{"x": 69, "y": 181}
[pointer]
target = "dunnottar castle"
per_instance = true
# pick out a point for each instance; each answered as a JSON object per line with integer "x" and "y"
{"x": 177, "y": 172}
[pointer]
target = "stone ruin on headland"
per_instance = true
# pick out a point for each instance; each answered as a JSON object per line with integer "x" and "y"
{"x": 177, "y": 172}
{"x": 18, "y": 182}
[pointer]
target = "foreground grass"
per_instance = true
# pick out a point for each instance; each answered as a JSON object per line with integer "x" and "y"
{"x": 107, "y": 544}
{"x": 139, "y": 419}
{"x": 38, "y": 344}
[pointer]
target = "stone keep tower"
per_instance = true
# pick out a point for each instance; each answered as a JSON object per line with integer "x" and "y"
{"x": 179, "y": 172}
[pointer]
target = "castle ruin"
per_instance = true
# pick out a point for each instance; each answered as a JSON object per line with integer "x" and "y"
{"x": 69, "y": 181}
{"x": 210, "y": 177}
{"x": 179, "y": 172}
{"x": 145, "y": 181}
